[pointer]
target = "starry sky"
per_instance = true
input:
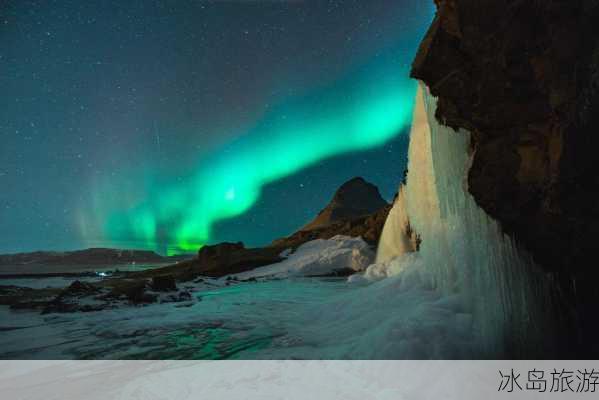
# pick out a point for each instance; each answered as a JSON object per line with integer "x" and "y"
{"x": 171, "y": 124}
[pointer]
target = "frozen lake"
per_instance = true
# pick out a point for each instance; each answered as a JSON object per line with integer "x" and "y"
{"x": 294, "y": 318}
{"x": 245, "y": 320}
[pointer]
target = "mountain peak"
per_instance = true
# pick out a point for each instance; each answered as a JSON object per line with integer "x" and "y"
{"x": 354, "y": 198}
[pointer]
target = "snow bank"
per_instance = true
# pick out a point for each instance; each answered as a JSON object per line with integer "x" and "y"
{"x": 317, "y": 258}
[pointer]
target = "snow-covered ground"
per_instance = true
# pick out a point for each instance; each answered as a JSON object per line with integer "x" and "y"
{"x": 298, "y": 317}
{"x": 318, "y": 258}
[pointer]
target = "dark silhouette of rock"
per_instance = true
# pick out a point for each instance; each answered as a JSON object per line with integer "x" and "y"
{"x": 68, "y": 299}
{"x": 231, "y": 258}
{"x": 208, "y": 253}
{"x": 23, "y": 297}
{"x": 177, "y": 297}
{"x": 80, "y": 288}
{"x": 136, "y": 293}
{"x": 164, "y": 283}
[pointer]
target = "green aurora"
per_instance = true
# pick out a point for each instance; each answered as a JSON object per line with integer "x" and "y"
{"x": 363, "y": 110}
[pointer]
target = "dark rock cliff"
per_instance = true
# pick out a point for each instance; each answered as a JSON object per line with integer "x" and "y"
{"x": 523, "y": 77}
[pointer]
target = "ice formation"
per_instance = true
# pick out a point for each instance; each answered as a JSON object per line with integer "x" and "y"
{"x": 319, "y": 257}
{"x": 463, "y": 251}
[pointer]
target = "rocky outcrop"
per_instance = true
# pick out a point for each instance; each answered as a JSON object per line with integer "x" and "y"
{"x": 523, "y": 77}
{"x": 367, "y": 227}
{"x": 68, "y": 299}
{"x": 18, "y": 297}
{"x": 219, "y": 251}
{"x": 135, "y": 291}
{"x": 232, "y": 258}
{"x": 164, "y": 283}
{"x": 355, "y": 198}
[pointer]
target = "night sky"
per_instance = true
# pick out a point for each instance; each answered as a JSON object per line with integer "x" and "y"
{"x": 166, "y": 125}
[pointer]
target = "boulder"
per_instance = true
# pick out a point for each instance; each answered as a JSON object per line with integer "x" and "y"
{"x": 164, "y": 283}
{"x": 218, "y": 251}
{"x": 79, "y": 288}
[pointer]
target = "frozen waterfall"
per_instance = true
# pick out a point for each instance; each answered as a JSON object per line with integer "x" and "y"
{"x": 463, "y": 250}
{"x": 395, "y": 240}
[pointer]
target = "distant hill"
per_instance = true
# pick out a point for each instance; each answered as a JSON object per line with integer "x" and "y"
{"x": 91, "y": 256}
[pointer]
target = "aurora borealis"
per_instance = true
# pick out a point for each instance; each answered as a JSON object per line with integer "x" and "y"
{"x": 175, "y": 126}
{"x": 300, "y": 133}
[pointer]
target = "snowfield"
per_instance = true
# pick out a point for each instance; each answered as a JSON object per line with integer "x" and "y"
{"x": 319, "y": 257}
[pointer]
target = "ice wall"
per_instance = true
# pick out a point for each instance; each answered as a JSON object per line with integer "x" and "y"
{"x": 395, "y": 240}
{"x": 465, "y": 252}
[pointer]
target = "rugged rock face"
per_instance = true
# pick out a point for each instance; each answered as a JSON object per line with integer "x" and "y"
{"x": 208, "y": 253}
{"x": 164, "y": 283}
{"x": 356, "y": 209}
{"x": 231, "y": 258}
{"x": 367, "y": 227}
{"x": 355, "y": 198}
{"x": 523, "y": 77}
